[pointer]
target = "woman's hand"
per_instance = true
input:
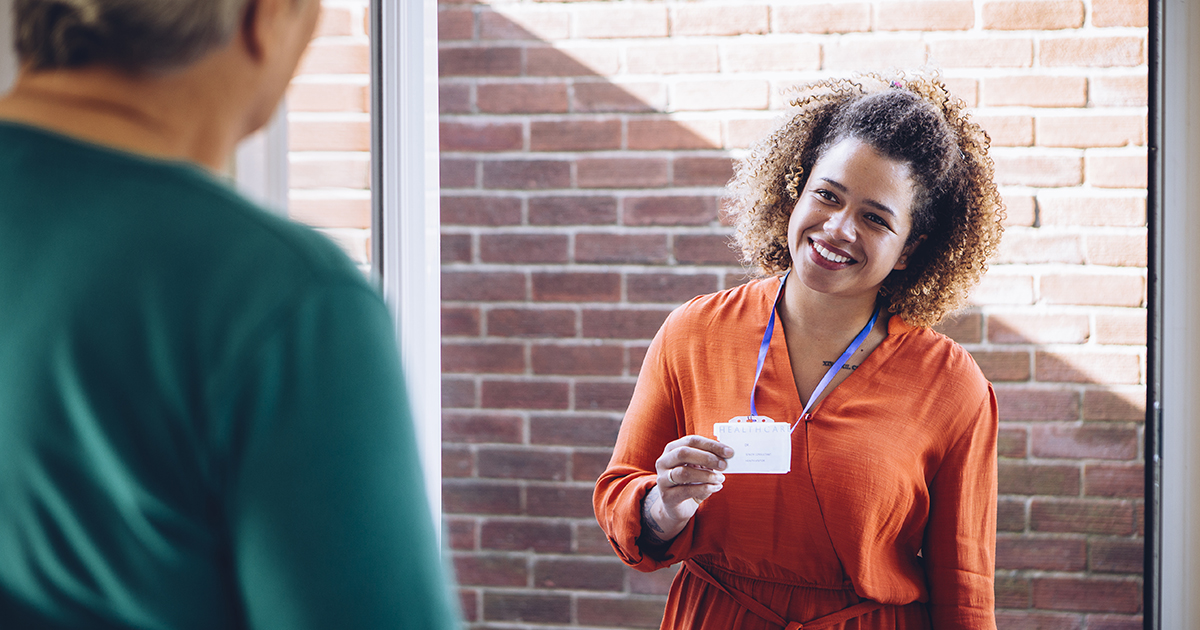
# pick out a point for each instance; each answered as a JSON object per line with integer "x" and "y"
{"x": 688, "y": 473}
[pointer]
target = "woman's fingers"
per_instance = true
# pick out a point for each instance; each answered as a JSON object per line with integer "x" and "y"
{"x": 694, "y": 450}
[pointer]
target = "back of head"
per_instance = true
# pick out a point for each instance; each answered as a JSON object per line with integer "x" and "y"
{"x": 136, "y": 36}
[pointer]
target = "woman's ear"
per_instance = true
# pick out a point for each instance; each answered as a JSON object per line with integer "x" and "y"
{"x": 908, "y": 250}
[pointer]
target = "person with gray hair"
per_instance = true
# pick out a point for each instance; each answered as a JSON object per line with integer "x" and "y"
{"x": 202, "y": 415}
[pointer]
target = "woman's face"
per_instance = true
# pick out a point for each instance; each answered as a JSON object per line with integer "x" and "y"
{"x": 849, "y": 227}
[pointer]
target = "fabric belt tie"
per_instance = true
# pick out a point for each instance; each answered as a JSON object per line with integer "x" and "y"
{"x": 754, "y": 606}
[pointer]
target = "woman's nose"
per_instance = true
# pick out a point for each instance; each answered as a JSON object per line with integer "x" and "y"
{"x": 840, "y": 225}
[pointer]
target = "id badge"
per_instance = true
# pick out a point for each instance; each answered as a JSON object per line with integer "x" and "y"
{"x": 760, "y": 445}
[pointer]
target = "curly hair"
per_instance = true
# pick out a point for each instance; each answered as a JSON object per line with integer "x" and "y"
{"x": 908, "y": 118}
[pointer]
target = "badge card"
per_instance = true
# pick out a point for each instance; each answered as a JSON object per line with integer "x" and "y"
{"x": 760, "y": 445}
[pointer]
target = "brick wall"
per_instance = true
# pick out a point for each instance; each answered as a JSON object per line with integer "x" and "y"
{"x": 585, "y": 146}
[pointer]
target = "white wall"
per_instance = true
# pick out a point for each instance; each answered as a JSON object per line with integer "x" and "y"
{"x": 1181, "y": 317}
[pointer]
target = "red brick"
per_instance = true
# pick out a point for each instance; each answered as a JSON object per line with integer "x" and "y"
{"x": 1020, "y": 209}
{"x": 1106, "y": 211}
{"x": 457, "y": 462}
{"x": 627, "y": 96}
{"x": 637, "y": 356}
{"x": 576, "y": 61}
{"x": 669, "y": 210}
{"x": 1116, "y": 556}
{"x": 1034, "y": 620}
{"x": 623, "y": 323}
{"x": 1034, "y": 91}
{"x": 1040, "y": 554}
{"x": 585, "y": 359}
{"x": 466, "y": 136}
{"x": 522, "y": 463}
{"x": 476, "y": 286}
{"x": 714, "y": 94}
{"x": 673, "y": 288}
{"x": 473, "y": 497}
{"x": 873, "y": 52}
{"x": 457, "y": 173}
{"x": 576, "y": 287}
{"x": 521, "y": 322}
{"x": 523, "y": 248}
{"x": 331, "y": 213}
{"x": 1039, "y": 170}
{"x": 701, "y": 171}
{"x": 1038, "y": 328}
{"x": 1034, "y": 479}
{"x": 469, "y": 601}
{"x": 602, "y": 395}
{"x": 1086, "y": 594}
{"x": 1118, "y": 250}
{"x": 1115, "y": 622}
{"x": 458, "y": 392}
{"x": 478, "y": 569}
{"x": 569, "y": 501}
{"x": 965, "y": 88}
{"x": 1010, "y": 517}
{"x": 526, "y": 534}
{"x": 336, "y": 57}
{"x": 458, "y": 321}
{"x": 1130, "y": 91}
{"x": 456, "y": 248}
{"x": 481, "y": 427}
{"x": 621, "y": 248}
{"x": 1008, "y": 131}
{"x": 526, "y": 607}
{"x": 742, "y": 133}
{"x": 621, "y": 612}
{"x": 654, "y": 134}
{"x": 453, "y": 23}
{"x": 1097, "y": 52}
{"x": 526, "y": 174}
{"x": 324, "y": 173}
{"x": 963, "y": 326}
{"x": 1012, "y": 592}
{"x": 579, "y": 574}
{"x": 839, "y": 17}
{"x": 1083, "y": 516}
{"x": 574, "y": 430}
{"x": 522, "y": 98}
{"x": 326, "y": 97}
{"x": 616, "y": 21}
{"x": 1093, "y": 289}
{"x": 475, "y": 357}
{"x": 573, "y": 210}
{"x": 1027, "y": 404}
{"x": 1127, "y": 405}
{"x": 1033, "y": 15}
{"x": 927, "y": 15}
{"x": 755, "y": 56}
{"x": 575, "y": 135}
{"x": 509, "y": 394}
{"x": 1104, "y": 480}
{"x": 719, "y": 20}
{"x": 1115, "y": 171}
{"x": 1085, "y": 442}
{"x": 672, "y": 58}
{"x": 461, "y": 533}
{"x": 479, "y": 210}
{"x": 1029, "y": 246}
{"x": 655, "y": 583}
{"x": 453, "y": 98}
{"x": 588, "y": 466}
{"x": 1091, "y": 131}
{"x": 1120, "y": 13}
{"x": 1013, "y": 442}
{"x": 519, "y": 23}
{"x": 329, "y": 135}
{"x": 1003, "y": 366}
{"x": 333, "y": 22}
{"x": 1088, "y": 367}
{"x": 622, "y": 172}
{"x": 491, "y": 61}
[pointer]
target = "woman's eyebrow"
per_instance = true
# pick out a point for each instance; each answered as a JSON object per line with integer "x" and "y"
{"x": 870, "y": 202}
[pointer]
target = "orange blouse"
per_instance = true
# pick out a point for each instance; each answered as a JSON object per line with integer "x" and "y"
{"x": 892, "y": 491}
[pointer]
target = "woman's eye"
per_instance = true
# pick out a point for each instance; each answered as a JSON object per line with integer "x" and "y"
{"x": 825, "y": 194}
{"x": 875, "y": 218}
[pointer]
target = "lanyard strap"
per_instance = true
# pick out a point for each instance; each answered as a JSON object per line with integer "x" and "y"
{"x": 833, "y": 370}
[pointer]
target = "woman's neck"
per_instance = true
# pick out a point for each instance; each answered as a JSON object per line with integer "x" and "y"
{"x": 821, "y": 318}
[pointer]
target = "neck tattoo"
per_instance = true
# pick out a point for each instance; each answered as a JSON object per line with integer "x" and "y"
{"x": 844, "y": 367}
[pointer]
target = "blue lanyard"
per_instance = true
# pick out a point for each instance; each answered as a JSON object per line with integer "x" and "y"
{"x": 833, "y": 370}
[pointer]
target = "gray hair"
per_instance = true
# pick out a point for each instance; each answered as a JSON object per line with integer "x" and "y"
{"x": 136, "y": 36}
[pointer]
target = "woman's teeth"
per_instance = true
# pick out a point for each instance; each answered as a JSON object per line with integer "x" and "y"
{"x": 830, "y": 256}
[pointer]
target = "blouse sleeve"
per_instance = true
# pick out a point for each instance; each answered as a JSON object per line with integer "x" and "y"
{"x": 654, "y": 418}
{"x": 960, "y": 540}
